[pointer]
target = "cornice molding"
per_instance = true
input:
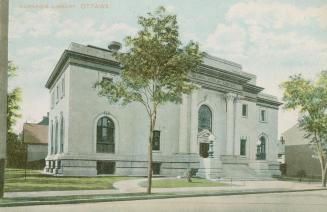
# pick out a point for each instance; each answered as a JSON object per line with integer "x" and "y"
{"x": 223, "y": 74}
{"x": 221, "y": 60}
{"x": 83, "y": 60}
{"x": 252, "y": 88}
{"x": 268, "y": 103}
{"x": 207, "y": 77}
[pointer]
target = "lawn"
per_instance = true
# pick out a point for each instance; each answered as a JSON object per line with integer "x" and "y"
{"x": 179, "y": 183}
{"x": 35, "y": 181}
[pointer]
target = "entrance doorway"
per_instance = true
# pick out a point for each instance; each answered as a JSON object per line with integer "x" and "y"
{"x": 203, "y": 150}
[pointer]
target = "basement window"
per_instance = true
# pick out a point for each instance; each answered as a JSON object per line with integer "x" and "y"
{"x": 106, "y": 167}
{"x": 156, "y": 168}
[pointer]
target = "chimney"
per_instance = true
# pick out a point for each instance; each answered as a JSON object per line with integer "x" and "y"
{"x": 114, "y": 46}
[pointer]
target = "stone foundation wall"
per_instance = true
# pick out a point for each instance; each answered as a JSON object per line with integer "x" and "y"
{"x": 88, "y": 167}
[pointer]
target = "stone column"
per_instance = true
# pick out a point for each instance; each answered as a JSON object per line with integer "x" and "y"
{"x": 183, "y": 126}
{"x": 194, "y": 123}
{"x": 237, "y": 116}
{"x": 229, "y": 123}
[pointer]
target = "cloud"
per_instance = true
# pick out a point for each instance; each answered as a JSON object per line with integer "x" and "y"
{"x": 35, "y": 24}
{"x": 272, "y": 48}
{"x": 273, "y": 41}
{"x": 277, "y": 14}
{"x": 170, "y": 8}
{"x": 228, "y": 40}
{"x": 48, "y": 22}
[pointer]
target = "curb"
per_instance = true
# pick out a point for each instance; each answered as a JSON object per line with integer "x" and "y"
{"x": 144, "y": 196}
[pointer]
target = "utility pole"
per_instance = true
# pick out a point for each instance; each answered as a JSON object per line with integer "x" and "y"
{"x": 4, "y": 10}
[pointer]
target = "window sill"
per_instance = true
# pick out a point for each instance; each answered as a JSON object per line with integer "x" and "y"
{"x": 156, "y": 151}
{"x": 106, "y": 153}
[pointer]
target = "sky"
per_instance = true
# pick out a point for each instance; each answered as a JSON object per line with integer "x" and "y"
{"x": 271, "y": 39}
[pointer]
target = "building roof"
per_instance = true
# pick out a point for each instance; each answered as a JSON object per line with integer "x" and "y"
{"x": 214, "y": 73}
{"x": 44, "y": 121}
{"x": 295, "y": 136}
{"x": 35, "y": 133}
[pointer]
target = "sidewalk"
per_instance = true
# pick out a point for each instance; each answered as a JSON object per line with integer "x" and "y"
{"x": 132, "y": 186}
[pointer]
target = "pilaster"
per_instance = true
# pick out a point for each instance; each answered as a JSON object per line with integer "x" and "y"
{"x": 194, "y": 123}
{"x": 229, "y": 97}
{"x": 236, "y": 125}
{"x": 183, "y": 125}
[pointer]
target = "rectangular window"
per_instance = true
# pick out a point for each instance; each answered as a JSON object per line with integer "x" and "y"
{"x": 106, "y": 167}
{"x": 62, "y": 87}
{"x": 243, "y": 147}
{"x": 263, "y": 115}
{"x": 58, "y": 164}
{"x": 52, "y": 99}
{"x": 245, "y": 110}
{"x": 57, "y": 94}
{"x": 156, "y": 140}
{"x": 156, "y": 168}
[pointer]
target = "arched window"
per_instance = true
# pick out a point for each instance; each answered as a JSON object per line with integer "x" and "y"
{"x": 56, "y": 138}
{"x": 105, "y": 135}
{"x": 62, "y": 134}
{"x": 261, "y": 148}
{"x": 204, "y": 118}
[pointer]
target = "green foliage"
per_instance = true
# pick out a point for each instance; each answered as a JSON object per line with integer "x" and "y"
{"x": 16, "y": 151}
{"x": 14, "y": 98}
{"x": 190, "y": 173}
{"x": 155, "y": 68}
{"x": 310, "y": 98}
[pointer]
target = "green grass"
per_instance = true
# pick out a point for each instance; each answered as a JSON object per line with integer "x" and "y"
{"x": 35, "y": 181}
{"x": 180, "y": 183}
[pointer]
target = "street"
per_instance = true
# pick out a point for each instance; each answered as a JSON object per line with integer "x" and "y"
{"x": 313, "y": 201}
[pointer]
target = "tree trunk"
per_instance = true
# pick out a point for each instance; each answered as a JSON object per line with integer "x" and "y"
{"x": 323, "y": 176}
{"x": 150, "y": 157}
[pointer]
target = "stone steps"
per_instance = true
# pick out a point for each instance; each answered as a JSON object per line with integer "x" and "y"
{"x": 243, "y": 172}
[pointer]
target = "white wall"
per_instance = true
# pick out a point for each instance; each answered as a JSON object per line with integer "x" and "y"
{"x": 59, "y": 109}
{"x": 81, "y": 107}
{"x": 131, "y": 121}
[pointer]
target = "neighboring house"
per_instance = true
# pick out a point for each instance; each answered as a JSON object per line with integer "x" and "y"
{"x": 35, "y": 136}
{"x": 89, "y": 136}
{"x": 299, "y": 156}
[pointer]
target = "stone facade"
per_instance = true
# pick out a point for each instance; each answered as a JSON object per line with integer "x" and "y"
{"x": 239, "y": 111}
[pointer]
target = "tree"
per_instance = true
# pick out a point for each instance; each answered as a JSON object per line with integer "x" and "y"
{"x": 15, "y": 148}
{"x": 311, "y": 100}
{"x": 155, "y": 69}
{"x": 14, "y": 99}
